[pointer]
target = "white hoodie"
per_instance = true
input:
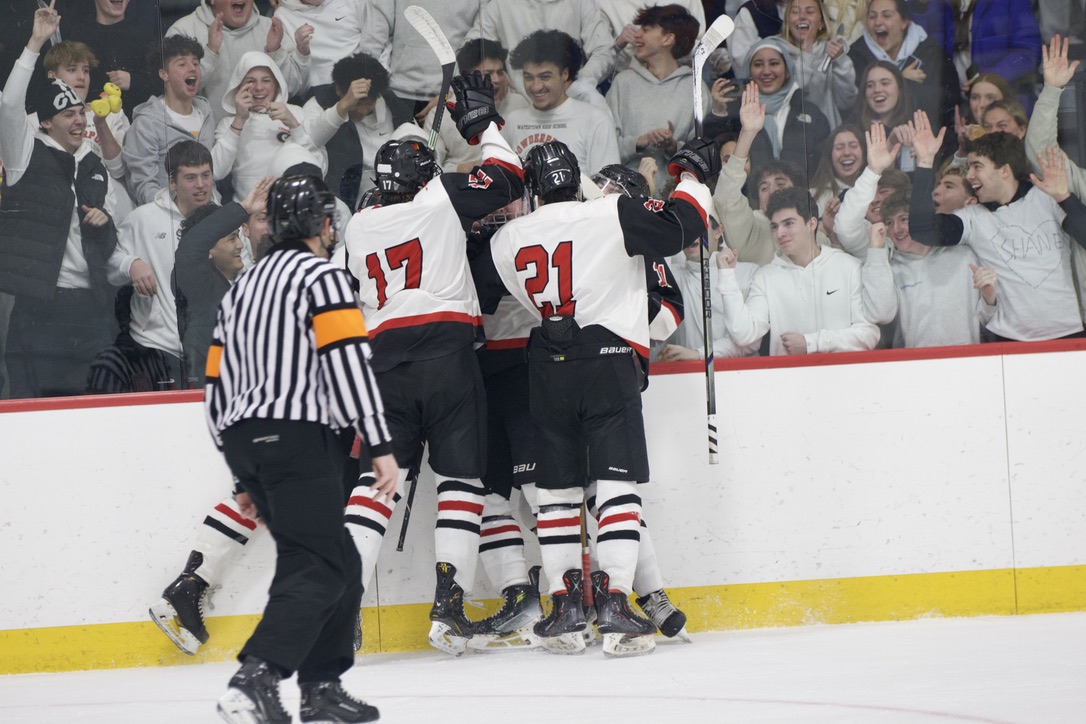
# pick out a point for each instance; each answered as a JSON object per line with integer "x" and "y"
{"x": 151, "y": 233}
{"x": 236, "y": 42}
{"x": 823, "y": 301}
{"x": 337, "y": 31}
{"x": 255, "y": 152}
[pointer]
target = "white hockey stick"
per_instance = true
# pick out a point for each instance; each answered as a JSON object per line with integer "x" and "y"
{"x": 717, "y": 33}
{"x": 428, "y": 28}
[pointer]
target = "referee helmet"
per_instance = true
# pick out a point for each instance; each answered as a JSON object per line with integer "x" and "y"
{"x": 297, "y": 207}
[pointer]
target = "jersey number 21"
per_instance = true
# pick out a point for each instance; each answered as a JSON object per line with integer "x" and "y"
{"x": 550, "y": 299}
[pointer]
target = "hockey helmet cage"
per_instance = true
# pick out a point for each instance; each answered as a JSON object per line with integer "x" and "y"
{"x": 404, "y": 166}
{"x": 551, "y": 166}
{"x": 625, "y": 180}
{"x": 297, "y": 207}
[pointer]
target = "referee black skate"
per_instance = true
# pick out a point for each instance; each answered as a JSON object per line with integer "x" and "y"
{"x": 286, "y": 370}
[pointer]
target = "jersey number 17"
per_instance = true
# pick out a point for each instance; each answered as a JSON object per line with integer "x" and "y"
{"x": 406, "y": 256}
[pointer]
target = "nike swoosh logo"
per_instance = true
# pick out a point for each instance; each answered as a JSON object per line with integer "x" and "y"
{"x": 833, "y": 292}
{"x": 340, "y": 18}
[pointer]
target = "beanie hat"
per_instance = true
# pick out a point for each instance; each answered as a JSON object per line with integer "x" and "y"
{"x": 53, "y": 98}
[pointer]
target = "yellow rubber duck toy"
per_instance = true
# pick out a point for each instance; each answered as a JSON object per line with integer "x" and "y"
{"x": 109, "y": 101}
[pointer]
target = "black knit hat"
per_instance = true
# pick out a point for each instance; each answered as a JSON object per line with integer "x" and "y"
{"x": 53, "y": 98}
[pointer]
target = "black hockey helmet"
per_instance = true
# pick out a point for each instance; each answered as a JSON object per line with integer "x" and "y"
{"x": 626, "y": 180}
{"x": 551, "y": 166}
{"x": 297, "y": 207}
{"x": 404, "y": 166}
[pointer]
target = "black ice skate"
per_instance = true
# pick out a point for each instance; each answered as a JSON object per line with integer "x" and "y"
{"x": 670, "y": 620}
{"x": 180, "y": 611}
{"x": 327, "y": 703}
{"x": 625, "y": 633}
{"x": 561, "y": 630}
{"x": 511, "y": 626}
{"x": 253, "y": 696}
{"x": 451, "y": 629}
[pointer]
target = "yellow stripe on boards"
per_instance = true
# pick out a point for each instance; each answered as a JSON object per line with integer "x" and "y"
{"x": 708, "y": 608}
{"x": 1055, "y": 589}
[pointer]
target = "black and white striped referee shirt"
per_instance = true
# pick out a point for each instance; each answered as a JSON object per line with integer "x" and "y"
{"x": 290, "y": 344}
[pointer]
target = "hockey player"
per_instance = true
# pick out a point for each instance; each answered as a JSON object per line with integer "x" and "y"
{"x": 410, "y": 259}
{"x": 578, "y": 267}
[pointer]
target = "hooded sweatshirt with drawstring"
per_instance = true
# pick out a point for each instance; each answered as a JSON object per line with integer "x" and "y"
{"x": 253, "y": 35}
{"x": 254, "y": 153}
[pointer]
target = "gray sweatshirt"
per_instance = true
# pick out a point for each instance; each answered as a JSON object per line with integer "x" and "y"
{"x": 150, "y": 137}
{"x": 937, "y": 304}
{"x": 640, "y": 102}
{"x": 413, "y": 70}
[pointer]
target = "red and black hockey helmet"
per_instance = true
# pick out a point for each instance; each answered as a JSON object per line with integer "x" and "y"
{"x": 624, "y": 179}
{"x": 404, "y": 166}
{"x": 551, "y": 166}
{"x": 297, "y": 207}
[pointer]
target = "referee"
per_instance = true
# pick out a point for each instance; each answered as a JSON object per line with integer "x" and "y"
{"x": 288, "y": 367}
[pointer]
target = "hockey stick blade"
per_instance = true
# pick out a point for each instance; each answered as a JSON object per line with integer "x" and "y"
{"x": 428, "y": 28}
{"x": 717, "y": 33}
{"x": 431, "y": 32}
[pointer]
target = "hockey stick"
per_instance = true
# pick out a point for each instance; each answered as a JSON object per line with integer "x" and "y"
{"x": 717, "y": 33}
{"x": 413, "y": 475}
{"x": 588, "y": 597}
{"x": 428, "y": 28}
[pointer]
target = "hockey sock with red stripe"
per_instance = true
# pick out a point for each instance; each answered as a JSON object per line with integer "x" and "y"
{"x": 459, "y": 517}
{"x": 558, "y": 526}
{"x": 501, "y": 544}
{"x": 647, "y": 577}
{"x": 220, "y": 538}
{"x": 367, "y": 520}
{"x": 619, "y": 534}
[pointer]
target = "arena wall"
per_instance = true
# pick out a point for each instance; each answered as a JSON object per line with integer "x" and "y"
{"x": 850, "y": 488}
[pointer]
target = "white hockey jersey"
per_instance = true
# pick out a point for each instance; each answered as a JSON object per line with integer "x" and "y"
{"x": 411, "y": 262}
{"x": 584, "y": 259}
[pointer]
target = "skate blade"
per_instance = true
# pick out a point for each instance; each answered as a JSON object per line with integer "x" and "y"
{"x": 684, "y": 636}
{"x": 568, "y": 644}
{"x": 618, "y": 645}
{"x": 591, "y": 635}
{"x": 442, "y": 639}
{"x": 165, "y": 617}
{"x": 236, "y": 708}
{"x": 522, "y": 638}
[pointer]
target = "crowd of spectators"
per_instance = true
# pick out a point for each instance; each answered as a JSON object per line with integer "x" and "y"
{"x": 906, "y": 149}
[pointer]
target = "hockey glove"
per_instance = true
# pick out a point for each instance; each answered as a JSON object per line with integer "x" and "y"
{"x": 474, "y": 110}
{"x": 699, "y": 156}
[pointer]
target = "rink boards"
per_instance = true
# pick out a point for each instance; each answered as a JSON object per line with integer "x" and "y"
{"x": 906, "y": 487}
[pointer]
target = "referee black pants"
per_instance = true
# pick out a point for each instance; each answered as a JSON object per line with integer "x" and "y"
{"x": 294, "y": 473}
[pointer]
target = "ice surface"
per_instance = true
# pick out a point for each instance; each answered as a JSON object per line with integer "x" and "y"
{"x": 992, "y": 669}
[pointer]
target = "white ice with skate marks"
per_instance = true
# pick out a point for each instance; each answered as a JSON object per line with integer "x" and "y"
{"x": 997, "y": 670}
